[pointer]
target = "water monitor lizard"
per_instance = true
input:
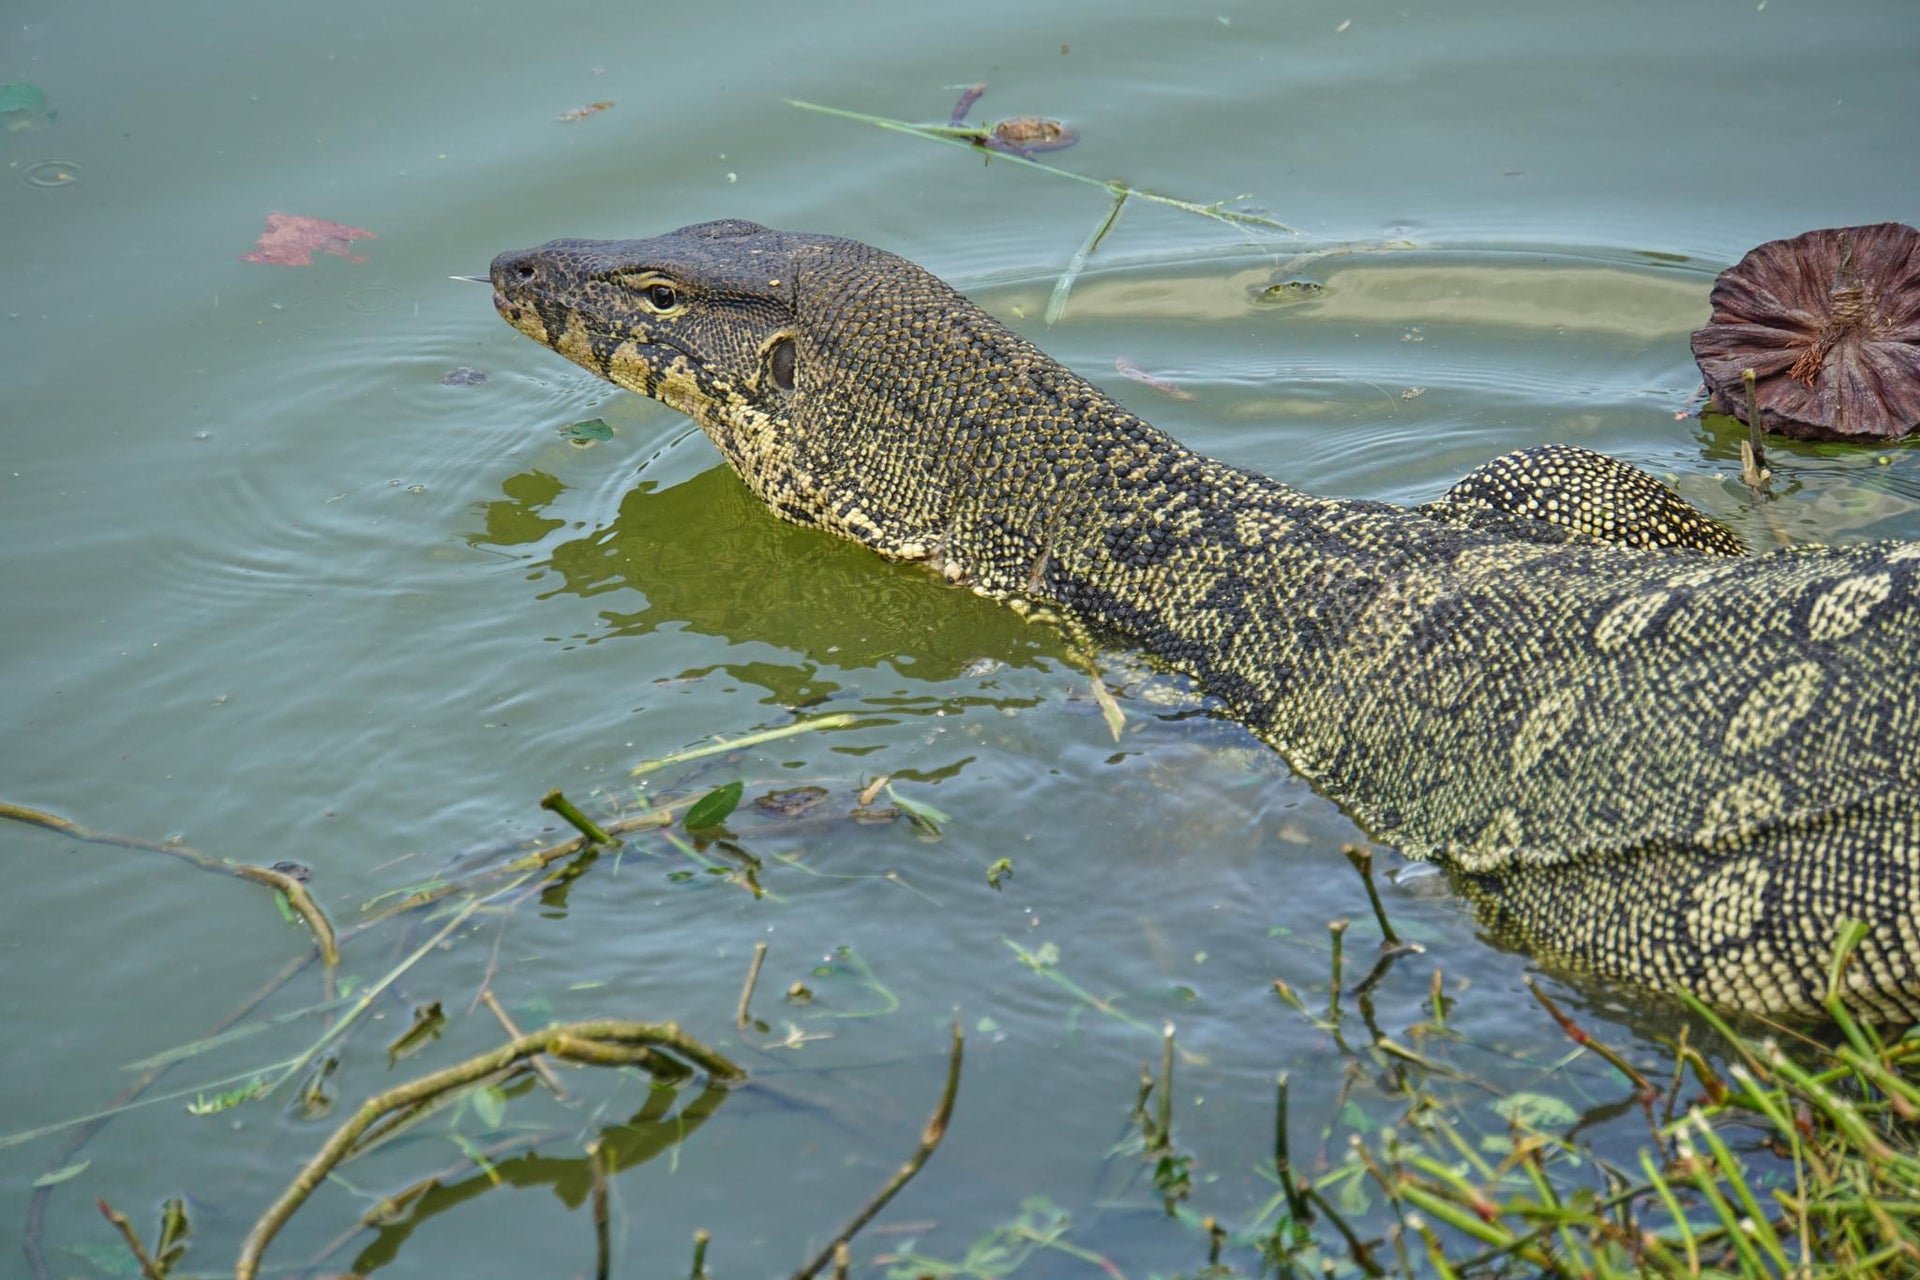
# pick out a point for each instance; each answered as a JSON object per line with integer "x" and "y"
{"x": 1653, "y": 760}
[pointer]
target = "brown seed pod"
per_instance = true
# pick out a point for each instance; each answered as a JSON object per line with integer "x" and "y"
{"x": 1829, "y": 322}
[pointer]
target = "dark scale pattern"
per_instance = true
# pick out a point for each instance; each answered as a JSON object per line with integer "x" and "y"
{"x": 1643, "y": 754}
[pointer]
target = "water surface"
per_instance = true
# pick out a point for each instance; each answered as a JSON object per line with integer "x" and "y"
{"x": 278, "y": 590}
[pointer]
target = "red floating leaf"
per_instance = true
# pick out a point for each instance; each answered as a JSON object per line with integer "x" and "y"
{"x": 1829, "y": 322}
{"x": 291, "y": 240}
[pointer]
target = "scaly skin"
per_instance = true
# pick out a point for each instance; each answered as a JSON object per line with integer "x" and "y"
{"x": 1650, "y": 758}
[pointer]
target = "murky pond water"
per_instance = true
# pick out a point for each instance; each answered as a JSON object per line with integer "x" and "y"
{"x": 279, "y": 586}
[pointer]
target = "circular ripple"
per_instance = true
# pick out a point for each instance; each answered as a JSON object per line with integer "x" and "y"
{"x": 373, "y": 299}
{"x": 52, "y": 173}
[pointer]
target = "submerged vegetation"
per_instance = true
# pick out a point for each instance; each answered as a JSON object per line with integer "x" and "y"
{"x": 1758, "y": 1155}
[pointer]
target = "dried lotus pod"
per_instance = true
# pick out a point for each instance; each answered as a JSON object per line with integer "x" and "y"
{"x": 1829, "y": 322}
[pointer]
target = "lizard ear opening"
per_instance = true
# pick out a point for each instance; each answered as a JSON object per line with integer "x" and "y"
{"x": 780, "y": 358}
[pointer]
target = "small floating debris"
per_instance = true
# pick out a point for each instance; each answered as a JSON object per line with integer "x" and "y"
{"x": 1134, "y": 373}
{"x": 52, "y": 173}
{"x": 581, "y": 113}
{"x": 1029, "y": 135}
{"x": 586, "y": 434}
{"x": 791, "y": 802}
{"x": 1829, "y": 322}
{"x": 1023, "y": 136}
{"x": 292, "y": 239}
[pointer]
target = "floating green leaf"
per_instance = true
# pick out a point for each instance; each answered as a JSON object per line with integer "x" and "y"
{"x": 1537, "y": 1110}
{"x": 427, "y": 1021}
{"x": 999, "y": 872}
{"x": 712, "y": 809}
{"x": 23, "y": 106}
{"x": 924, "y": 816}
{"x": 490, "y": 1104}
{"x": 591, "y": 431}
{"x": 205, "y": 1106}
{"x": 174, "y": 1230}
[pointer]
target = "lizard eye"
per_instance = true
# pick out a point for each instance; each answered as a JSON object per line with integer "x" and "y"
{"x": 662, "y": 297}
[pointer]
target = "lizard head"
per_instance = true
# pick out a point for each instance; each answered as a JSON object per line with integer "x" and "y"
{"x": 852, "y": 390}
{"x": 702, "y": 319}
{"x": 785, "y": 348}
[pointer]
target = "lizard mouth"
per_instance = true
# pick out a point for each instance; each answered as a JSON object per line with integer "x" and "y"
{"x": 517, "y": 294}
{"x": 522, "y": 314}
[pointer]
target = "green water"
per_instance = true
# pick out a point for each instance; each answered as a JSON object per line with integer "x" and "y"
{"x": 275, "y": 589}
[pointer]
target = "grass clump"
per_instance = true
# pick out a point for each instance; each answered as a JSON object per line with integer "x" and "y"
{"x": 1801, "y": 1158}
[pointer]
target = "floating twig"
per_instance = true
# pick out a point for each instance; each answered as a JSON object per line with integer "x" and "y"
{"x": 701, "y": 1238}
{"x": 720, "y": 746}
{"x": 554, "y": 802}
{"x": 753, "y": 978}
{"x": 148, "y": 1267}
{"x": 965, "y": 136}
{"x": 289, "y": 886}
{"x": 929, "y": 1142}
{"x": 599, "y": 1043}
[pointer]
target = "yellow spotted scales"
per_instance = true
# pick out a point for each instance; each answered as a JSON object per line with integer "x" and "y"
{"x": 1644, "y": 754}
